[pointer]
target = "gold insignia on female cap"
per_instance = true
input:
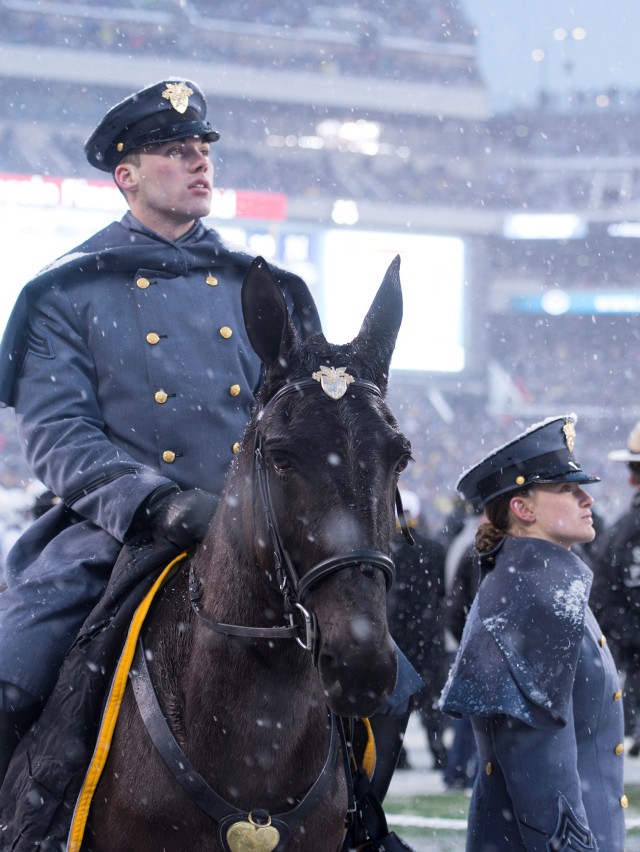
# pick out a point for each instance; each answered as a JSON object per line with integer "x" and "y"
{"x": 178, "y": 96}
{"x": 569, "y": 430}
{"x": 520, "y": 480}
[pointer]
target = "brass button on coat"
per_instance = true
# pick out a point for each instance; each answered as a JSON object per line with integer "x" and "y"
{"x": 234, "y": 390}
{"x": 153, "y": 338}
{"x": 225, "y": 332}
{"x": 211, "y": 280}
{"x": 168, "y": 456}
{"x": 603, "y": 641}
{"x": 617, "y": 695}
{"x": 236, "y": 447}
{"x": 624, "y": 801}
{"x": 142, "y": 283}
{"x": 161, "y": 396}
{"x": 488, "y": 768}
{"x": 619, "y": 748}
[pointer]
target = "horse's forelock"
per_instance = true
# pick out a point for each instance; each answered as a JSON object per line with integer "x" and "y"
{"x": 370, "y": 364}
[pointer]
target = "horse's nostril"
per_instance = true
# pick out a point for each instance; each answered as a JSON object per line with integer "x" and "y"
{"x": 327, "y": 660}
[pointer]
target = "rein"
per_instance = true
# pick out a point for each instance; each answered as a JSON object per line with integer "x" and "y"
{"x": 293, "y": 587}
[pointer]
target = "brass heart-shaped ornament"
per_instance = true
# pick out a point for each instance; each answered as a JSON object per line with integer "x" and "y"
{"x": 250, "y": 837}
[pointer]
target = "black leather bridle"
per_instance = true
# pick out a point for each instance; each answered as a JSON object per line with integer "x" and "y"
{"x": 295, "y": 588}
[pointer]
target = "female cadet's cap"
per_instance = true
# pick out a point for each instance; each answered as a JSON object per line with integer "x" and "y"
{"x": 632, "y": 452}
{"x": 173, "y": 109}
{"x": 543, "y": 454}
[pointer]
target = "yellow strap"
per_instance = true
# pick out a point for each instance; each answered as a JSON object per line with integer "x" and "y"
{"x": 110, "y": 715}
{"x": 369, "y": 756}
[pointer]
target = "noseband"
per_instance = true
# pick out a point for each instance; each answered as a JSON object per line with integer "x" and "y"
{"x": 294, "y": 587}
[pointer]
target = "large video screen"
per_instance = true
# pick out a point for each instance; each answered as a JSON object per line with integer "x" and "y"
{"x": 432, "y": 273}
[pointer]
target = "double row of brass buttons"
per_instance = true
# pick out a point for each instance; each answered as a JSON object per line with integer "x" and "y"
{"x": 153, "y": 338}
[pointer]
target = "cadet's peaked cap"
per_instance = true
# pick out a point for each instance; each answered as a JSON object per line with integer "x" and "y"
{"x": 172, "y": 109}
{"x": 543, "y": 454}
{"x": 632, "y": 453}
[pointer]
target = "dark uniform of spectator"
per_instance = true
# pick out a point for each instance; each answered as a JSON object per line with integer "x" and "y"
{"x": 615, "y": 595}
{"x": 415, "y": 606}
{"x": 462, "y": 763}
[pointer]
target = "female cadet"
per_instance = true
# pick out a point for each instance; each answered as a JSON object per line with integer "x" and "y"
{"x": 533, "y": 671}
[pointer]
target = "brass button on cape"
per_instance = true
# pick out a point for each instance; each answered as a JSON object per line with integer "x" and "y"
{"x": 153, "y": 338}
{"x": 225, "y": 332}
{"x": 168, "y": 456}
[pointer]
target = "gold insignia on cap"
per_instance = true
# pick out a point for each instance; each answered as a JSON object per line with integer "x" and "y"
{"x": 333, "y": 380}
{"x": 569, "y": 430}
{"x": 120, "y": 146}
{"x": 178, "y": 96}
{"x": 520, "y": 480}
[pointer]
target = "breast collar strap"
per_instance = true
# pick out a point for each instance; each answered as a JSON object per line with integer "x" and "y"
{"x": 198, "y": 790}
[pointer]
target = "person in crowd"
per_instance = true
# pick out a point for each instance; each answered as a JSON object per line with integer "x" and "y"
{"x": 461, "y": 766}
{"x": 454, "y": 523}
{"x": 533, "y": 671}
{"x": 415, "y": 609}
{"x": 132, "y": 379}
{"x": 615, "y": 596}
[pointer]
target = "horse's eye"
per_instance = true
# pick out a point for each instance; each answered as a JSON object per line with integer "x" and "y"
{"x": 281, "y": 462}
{"x": 403, "y": 464}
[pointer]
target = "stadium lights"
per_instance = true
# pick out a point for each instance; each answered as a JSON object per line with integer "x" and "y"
{"x": 624, "y": 229}
{"x": 544, "y": 226}
{"x": 345, "y": 212}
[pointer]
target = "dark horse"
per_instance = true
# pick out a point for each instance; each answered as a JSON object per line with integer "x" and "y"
{"x": 298, "y": 549}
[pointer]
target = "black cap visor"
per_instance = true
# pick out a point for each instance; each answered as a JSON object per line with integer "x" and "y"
{"x": 158, "y": 135}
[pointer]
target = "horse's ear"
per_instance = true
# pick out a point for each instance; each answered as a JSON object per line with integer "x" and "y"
{"x": 265, "y": 311}
{"x": 382, "y": 322}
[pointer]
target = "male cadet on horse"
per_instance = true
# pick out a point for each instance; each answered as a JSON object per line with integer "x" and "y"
{"x": 132, "y": 379}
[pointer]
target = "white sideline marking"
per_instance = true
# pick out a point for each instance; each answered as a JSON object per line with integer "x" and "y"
{"x": 437, "y": 822}
{"x": 425, "y": 822}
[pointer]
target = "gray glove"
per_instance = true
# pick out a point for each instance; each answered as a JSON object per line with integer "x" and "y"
{"x": 180, "y": 517}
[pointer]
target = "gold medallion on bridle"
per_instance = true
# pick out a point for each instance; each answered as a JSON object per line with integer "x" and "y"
{"x": 569, "y": 430}
{"x": 248, "y": 836}
{"x": 333, "y": 380}
{"x": 178, "y": 96}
